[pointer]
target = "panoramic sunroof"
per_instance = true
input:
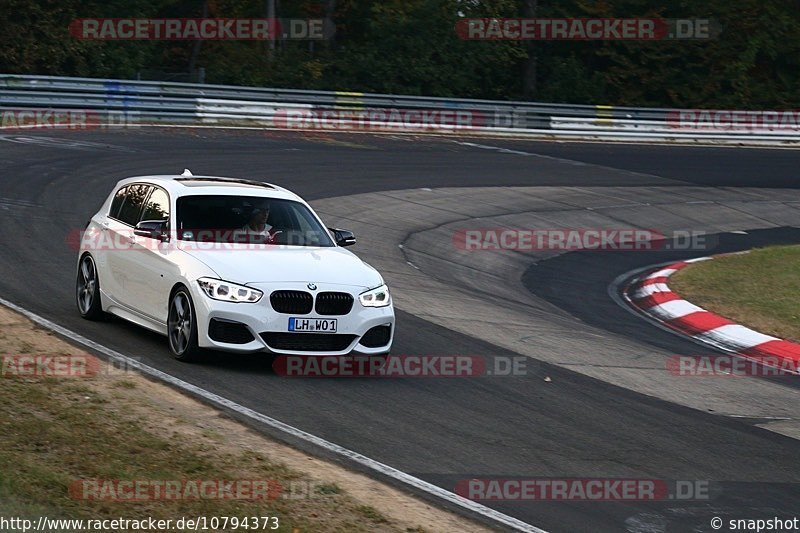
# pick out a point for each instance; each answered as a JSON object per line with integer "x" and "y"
{"x": 196, "y": 182}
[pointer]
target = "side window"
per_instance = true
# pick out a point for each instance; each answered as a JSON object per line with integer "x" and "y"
{"x": 132, "y": 206}
{"x": 157, "y": 206}
{"x": 116, "y": 203}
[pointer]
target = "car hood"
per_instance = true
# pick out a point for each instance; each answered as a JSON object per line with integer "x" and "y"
{"x": 270, "y": 264}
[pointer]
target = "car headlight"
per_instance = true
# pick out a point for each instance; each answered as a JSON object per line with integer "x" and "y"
{"x": 229, "y": 292}
{"x": 377, "y": 297}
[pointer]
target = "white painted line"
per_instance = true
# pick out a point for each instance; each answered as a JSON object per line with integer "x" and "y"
{"x": 761, "y": 417}
{"x": 499, "y": 134}
{"x": 356, "y": 457}
{"x": 507, "y": 150}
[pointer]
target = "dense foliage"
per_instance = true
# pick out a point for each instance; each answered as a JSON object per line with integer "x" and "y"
{"x": 411, "y": 47}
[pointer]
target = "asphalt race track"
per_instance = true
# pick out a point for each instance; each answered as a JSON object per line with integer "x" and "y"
{"x": 446, "y": 430}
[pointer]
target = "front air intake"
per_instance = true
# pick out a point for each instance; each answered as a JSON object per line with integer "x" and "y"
{"x": 307, "y": 342}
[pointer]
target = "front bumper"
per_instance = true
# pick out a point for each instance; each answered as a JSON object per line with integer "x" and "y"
{"x": 261, "y": 318}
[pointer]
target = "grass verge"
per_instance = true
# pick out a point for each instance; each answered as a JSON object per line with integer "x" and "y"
{"x": 759, "y": 289}
{"x": 115, "y": 425}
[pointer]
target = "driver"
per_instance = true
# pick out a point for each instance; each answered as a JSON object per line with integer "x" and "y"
{"x": 257, "y": 224}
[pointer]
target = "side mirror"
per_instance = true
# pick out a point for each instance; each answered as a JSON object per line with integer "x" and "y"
{"x": 343, "y": 237}
{"x": 153, "y": 229}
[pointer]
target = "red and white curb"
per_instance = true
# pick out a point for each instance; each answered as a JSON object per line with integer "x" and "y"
{"x": 651, "y": 295}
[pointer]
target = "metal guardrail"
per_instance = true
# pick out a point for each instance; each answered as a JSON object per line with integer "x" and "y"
{"x": 186, "y": 103}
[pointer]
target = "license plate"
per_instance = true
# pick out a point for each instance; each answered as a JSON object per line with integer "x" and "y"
{"x": 313, "y": 325}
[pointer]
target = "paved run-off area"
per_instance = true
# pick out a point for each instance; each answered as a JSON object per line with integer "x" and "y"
{"x": 409, "y": 236}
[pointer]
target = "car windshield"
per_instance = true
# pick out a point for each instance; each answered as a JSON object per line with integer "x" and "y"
{"x": 248, "y": 219}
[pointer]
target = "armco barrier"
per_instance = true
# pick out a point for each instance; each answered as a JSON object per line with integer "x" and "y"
{"x": 186, "y": 103}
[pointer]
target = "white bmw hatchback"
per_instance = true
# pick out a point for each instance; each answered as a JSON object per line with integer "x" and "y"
{"x": 232, "y": 265}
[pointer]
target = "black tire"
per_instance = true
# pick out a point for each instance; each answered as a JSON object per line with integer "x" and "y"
{"x": 182, "y": 326}
{"x": 87, "y": 290}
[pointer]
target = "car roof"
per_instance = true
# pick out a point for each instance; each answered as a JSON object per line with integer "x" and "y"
{"x": 185, "y": 184}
